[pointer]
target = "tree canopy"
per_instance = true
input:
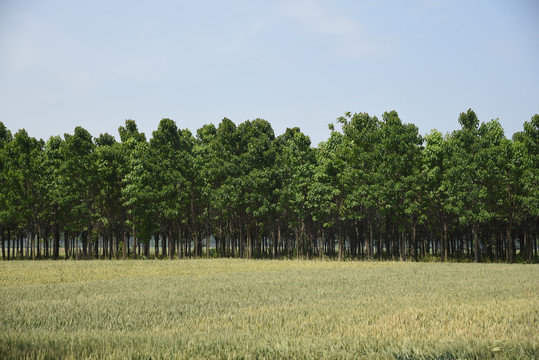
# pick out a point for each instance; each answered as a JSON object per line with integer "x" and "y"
{"x": 375, "y": 189}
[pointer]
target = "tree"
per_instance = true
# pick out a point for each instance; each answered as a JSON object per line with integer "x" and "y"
{"x": 436, "y": 186}
{"x": 79, "y": 187}
{"x": 294, "y": 168}
{"x": 6, "y": 212}
{"x": 171, "y": 180}
{"x": 466, "y": 193}
{"x": 362, "y": 180}
{"x": 52, "y": 165}
{"x": 326, "y": 195}
{"x": 528, "y": 155}
{"x": 111, "y": 165}
{"x": 138, "y": 197}
{"x": 24, "y": 197}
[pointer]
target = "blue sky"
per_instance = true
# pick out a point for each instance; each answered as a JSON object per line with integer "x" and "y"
{"x": 294, "y": 63}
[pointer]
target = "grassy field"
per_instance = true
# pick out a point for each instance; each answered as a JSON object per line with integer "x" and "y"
{"x": 267, "y": 309}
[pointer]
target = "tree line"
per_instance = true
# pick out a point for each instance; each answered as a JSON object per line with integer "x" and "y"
{"x": 376, "y": 189}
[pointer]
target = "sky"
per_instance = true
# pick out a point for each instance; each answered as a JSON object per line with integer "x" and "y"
{"x": 303, "y": 63}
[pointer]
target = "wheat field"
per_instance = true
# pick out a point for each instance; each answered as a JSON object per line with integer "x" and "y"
{"x": 253, "y": 309}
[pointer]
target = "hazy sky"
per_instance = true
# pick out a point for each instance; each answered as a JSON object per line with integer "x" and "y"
{"x": 303, "y": 63}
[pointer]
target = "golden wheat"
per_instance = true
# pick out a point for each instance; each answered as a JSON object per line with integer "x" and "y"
{"x": 267, "y": 309}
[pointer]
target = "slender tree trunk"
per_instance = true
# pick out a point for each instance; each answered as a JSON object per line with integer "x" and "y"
{"x": 475, "y": 234}
{"x": 368, "y": 242}
{"x": 402, "y": 247}
{"x": 171, "y": 245}
{"x": 414, "y": 241}
{"x": 115, "y": 244}
{"x": 195, "y": 244}
{"x": 273, "y": 244}
{"x": 106, "y": 241}
{"x": 19, "y": 245}
{"x": 302, "y": 237}
{"x": 8, "y": 242}
{"x": 249, "y": 243}
{"x": 524, "y": 243}
{"x": 124, "y": 245}
{"x": 3, "y": 244}
{"x": 46, "y": 246}
{"x": 321, "y": 243}
{"x": 156, "y": 244}
{"x": 134, "y": 241}
{"x": 66, "y": 244}
{"x": 510, "y": 243}
{"x": 530, "y": 245}
{"x": 445, "y": 242}
{"x": 496, "y": 246}
{"x": 84, "y": 239}
{"x": 208, "y": 245}
{"x": 340, "y": 235}
{"x": 380, "y": 249}
{"x": 30, "y": 245}
{"x": 38, "y": 242}
{"x": 228, "y": 239}
{"x": 164, "y": 253}
{"x": 76, "y": 246}
{"x": 423, "y": 250}
{"x": 181, "y": 245}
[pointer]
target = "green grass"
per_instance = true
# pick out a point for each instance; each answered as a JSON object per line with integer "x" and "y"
{"x": 267, "y": 309}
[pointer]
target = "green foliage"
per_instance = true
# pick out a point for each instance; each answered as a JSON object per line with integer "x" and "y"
{"x": 375, "y": 188}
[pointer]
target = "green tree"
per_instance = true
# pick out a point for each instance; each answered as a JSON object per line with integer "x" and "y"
{"x": 137, "y": 193}
{"x": 7, "y": 214}
{"x": 362, "y": 181}
{"x": 52, "y": 165}
{"x": 466, "y": 191}
{"x": 294, "y": 167}
{"x": 24, "y": 196}
{"x": 79, "y": 187}
{"x": 326, "y": 195}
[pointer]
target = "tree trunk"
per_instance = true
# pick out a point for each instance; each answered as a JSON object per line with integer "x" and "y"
{"x": 207, "y": 245}
{"x": 273, "y": 244}
{"x": 402, "y": 248}
{"x": 76, "y": 246}
{"x": 368, "y": 241}
{"x": 530, "y": 245}
{"x": 164, "y": 244}
{"x": 444, "y": 245}
{"x": 475, "y": 233}
{"x": 171, "y": 244}
{"x": 320, "y": 246}
{"x": 124, "y": 245}
{"x": 38, "y": 242}
{"x": 156, "y": 244}
{"x": 340, "y": 241}
{"x": 134, "y": 241}
{"x": 3, "y": 245}
{"x": 181, "y": 245}
{"x": 84, "y": 245}
{"x": 114, "y": 245}
{"x": 104, "y": 243}
{"x": 302, "y": 236}
{"x": 66, "y": 244}
{"x": 510, "y": 243}
{"x": 8, "y": 242}
{"x": 30, "y": 246}
{"x": 414, "y": 242}
{"x": 496, "y": 246}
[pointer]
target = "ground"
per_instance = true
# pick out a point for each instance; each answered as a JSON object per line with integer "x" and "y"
{"x": 226, "y": 308}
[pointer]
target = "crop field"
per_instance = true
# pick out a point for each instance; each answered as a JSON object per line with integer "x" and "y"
{"x": 225, "y": 308}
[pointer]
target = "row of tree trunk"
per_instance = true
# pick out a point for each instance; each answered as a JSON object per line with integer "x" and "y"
{"x": 357, "y": 240}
